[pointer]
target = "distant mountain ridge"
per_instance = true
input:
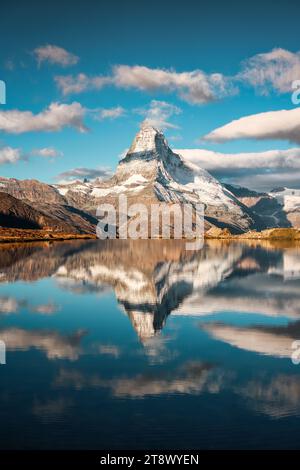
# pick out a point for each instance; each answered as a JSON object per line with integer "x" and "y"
{"x": 34, "y": 205}
{"x": 278, "y": 208}
{"x": 17, "y": 214}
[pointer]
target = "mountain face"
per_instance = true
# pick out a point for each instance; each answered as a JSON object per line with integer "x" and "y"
{"x": 17, "y": 214}
{"x": 31, "y": 191}
{"x": 35, "y": 205}
{"x": 279, "y": 208}
{"x": 289, "y": 199}
{"x": 151, "y": 173}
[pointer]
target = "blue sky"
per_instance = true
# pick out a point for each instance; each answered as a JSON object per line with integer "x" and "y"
{"x": 216, "y": 37}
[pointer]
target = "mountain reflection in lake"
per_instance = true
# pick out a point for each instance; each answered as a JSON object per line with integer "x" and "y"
{"x": 142, "y": 344}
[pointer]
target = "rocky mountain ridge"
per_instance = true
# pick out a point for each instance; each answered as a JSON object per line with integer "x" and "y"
{"x": 29, "y": 204}
{"x": 152, "y": 173}
{"x": 278, "y": 208}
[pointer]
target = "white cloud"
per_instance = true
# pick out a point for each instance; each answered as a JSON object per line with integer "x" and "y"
{"x": 47, "y": 152}
{"x": 69, "y": 84}
{"x": 55, "y": 55}
{"x": 275, "y": 70}
{"x": 9, "y": 155}
{"x": 210, "y": 160}
{"x": 111, "y": 113}
{"x": 279, "y": 125}
{"x": 195, "y": 87}
{"x": 54, "y": 118}
{"x": 158, "y": 114}
{"x": 256, "y": 170}
{"x": 269, "y": 181}
{"x": 82, "y": 172}
{"x": 14, "y": 155}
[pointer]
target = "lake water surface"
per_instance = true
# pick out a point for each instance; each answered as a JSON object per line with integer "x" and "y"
{"x": 142, "y": 344}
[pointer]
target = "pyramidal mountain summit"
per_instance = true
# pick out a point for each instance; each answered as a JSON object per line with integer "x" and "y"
{"x": 149, "y": 173}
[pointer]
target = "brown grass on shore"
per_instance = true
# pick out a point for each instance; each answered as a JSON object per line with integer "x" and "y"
{"x": 26, "y": 235}
{"x": 268, "y": 234}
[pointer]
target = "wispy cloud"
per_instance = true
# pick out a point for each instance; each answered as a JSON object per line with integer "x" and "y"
{"x": 55, "y": 55}
{"x": 9, "y": 155}
{"x": 266, "y": 181}
{"x": 75, "y": 84}
{"x": 46, "y": 152}
{"x": 274, "y": 70}
{"x": 195, "y": 87}
{"x": 14, "y": 155}
{"x": 111, "y": 113}
{"x": 52, "y": 119}
{"x": 278, "y": 125}
{"x": 158, "y": 114}
{"x": 82, "y": 173}
{"x": 271, "y": 71}
{"x": 9, "y": 65}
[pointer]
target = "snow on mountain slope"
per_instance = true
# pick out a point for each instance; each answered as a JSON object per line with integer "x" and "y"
{"x": 151, "y": 173}
{"x": 173, "y": 179}
{"x": 278, "y": 208}
{"x": 287, "y": 197}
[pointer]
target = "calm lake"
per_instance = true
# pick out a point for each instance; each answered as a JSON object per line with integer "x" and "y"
{"x": 142, "y": 344}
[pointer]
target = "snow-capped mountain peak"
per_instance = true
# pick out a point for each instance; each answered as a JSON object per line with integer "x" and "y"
{"x": 151, "y": 173}
{"x": 148, "y": 139}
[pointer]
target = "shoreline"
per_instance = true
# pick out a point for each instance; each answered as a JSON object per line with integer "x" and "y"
{"x": 29, "y": 235}
{"x": 290, "y": 234}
